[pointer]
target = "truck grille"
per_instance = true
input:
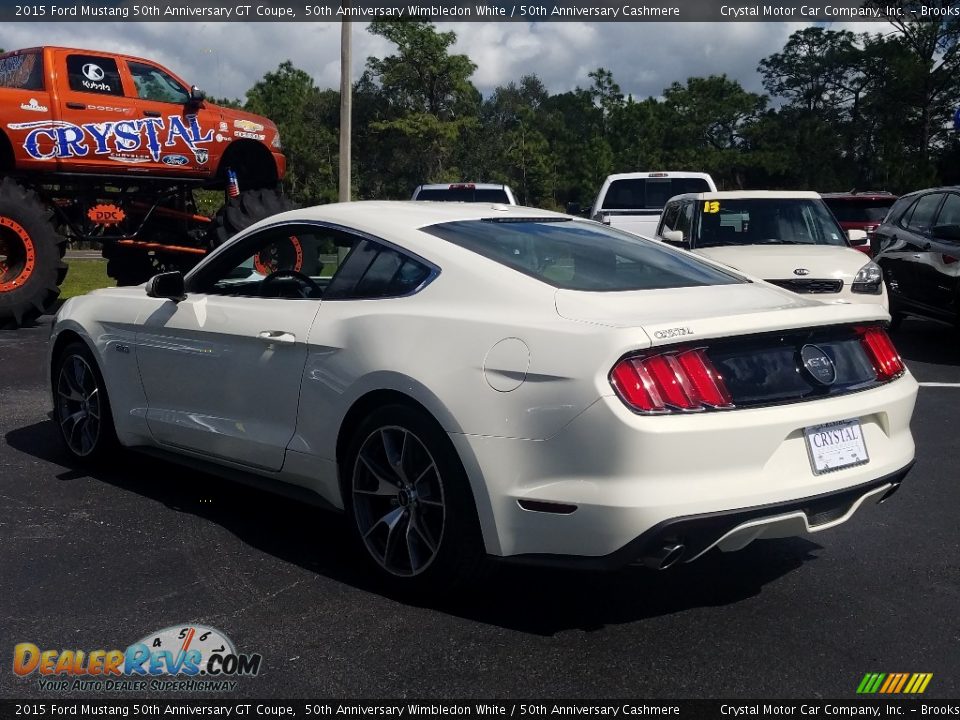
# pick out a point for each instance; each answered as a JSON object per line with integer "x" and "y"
{"x": 810, "y": 286}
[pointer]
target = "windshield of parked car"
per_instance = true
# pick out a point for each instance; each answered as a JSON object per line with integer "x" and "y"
{"x": 860, "y": 211}
{"x": 766, "y": 221}
{"x": 464, "y": 194}
{"x": 578, "y": 255}
{"x": 649, "y": 193}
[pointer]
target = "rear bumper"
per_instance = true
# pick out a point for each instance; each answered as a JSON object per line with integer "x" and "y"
{"x": 731, "y": 529}
{"x": 611, "y": 477}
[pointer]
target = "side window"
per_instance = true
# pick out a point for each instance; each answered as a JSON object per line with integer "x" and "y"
{"x": 22, "y": 72}
{"x": 921, "y": 220}
{"x": 152, "y": 83}
{"x": 375, "y": 271}
{"x": 94, "y": 74}
{"x": 685, "y": 219}
{"x": 669, "y": 219}
{"x": 950, "y": 212}
{"x": 289, "y": 261}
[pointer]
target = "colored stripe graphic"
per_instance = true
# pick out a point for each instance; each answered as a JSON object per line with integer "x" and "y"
{"x": 894, "y": 683}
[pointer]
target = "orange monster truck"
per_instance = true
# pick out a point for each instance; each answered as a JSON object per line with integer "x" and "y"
{"x": 109, "y": 148}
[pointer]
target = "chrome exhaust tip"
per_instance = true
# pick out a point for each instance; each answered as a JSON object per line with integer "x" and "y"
{"x": 666, "y": 556}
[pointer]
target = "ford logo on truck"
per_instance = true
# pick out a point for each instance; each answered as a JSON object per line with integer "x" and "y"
{"x": 175, "y": 160}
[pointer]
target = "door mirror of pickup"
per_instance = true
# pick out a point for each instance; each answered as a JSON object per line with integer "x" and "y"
{"x": 675, "y": 237}
{"x": 197, "y": 95}
{"x": 858, "y": 237}
{"x": 168, "y": 285}
{"x": 573, "y": 208}
{"x": 946, "y": 232}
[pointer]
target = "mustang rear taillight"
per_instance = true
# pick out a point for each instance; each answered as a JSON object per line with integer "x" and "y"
{"x": 681, "y": 381}
{"x": 886, "y": 361}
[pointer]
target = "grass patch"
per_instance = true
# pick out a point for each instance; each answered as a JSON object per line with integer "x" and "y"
{"x": 84, "y": 276}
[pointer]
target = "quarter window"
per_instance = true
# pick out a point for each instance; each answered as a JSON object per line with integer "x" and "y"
{"x": 22, "y": 72}
{"x": 93, "y": 74}
{"x": 375, "y": 271}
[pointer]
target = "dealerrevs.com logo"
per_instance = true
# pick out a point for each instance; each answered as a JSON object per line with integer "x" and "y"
{"x": 189, "y": 658}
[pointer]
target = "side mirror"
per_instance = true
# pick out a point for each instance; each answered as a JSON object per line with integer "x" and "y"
{"x": 858, "y": 237}
{"x": 573, "y": 208}
{"x": 946, "y": 232}
{"x": 197, "y": 95}
{"x": 674, "y": 237}
{"x": 168, "y": 285}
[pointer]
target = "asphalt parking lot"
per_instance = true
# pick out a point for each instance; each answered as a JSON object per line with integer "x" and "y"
{"x": 100, "y": 560}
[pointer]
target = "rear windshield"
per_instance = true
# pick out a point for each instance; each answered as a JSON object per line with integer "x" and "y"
{"x": 576, "y": 255}
{"x": 766, "y": 221}
{"x": 649, "y": 193}
{"x": 854, "y": 210}
{"x": 495, "y": 195}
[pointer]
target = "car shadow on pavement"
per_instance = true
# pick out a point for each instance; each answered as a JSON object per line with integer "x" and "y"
{"x": 927, "y": 341}
{"x": 541, "y": 601}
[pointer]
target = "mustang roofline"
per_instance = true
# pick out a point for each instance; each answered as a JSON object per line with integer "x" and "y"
{"x": 402, "y": 221}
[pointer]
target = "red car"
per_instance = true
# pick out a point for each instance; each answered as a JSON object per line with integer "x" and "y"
{"x": 863, "y": 210}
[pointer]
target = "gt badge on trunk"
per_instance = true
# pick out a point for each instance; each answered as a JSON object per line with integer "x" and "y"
{"x": 818, "y": 365}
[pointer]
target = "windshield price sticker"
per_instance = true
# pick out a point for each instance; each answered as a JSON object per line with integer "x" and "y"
{"x": 835, "y": 446}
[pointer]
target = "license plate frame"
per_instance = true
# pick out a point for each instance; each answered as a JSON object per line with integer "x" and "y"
{"x": 844, "y": 448}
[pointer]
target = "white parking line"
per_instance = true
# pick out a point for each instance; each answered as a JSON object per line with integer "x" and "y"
{"x": 936, "y": 384}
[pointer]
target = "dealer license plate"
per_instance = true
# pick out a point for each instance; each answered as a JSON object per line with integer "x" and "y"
{"x": 836, "y": 445}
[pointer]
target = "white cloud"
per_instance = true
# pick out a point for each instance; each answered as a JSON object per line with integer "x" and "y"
{"x": 227, "y": 58}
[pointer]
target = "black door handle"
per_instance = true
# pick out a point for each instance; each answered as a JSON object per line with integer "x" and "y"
{"x": 151, "y": 113}
{"x": 76, "y": 106}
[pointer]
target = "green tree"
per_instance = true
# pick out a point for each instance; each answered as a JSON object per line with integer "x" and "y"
{"x": 706, "y": 126}
{"x": 306, "y": 119}
{"x": 426, "y": 102}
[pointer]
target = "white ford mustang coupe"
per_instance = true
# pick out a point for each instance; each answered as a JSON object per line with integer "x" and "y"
{"x": 467, "y": 380}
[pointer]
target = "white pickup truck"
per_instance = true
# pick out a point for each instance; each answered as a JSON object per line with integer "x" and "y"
{"x": 634, "y": 201}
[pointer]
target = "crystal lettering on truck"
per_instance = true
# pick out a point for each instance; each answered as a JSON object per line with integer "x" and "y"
{"x": 65, "y": 139}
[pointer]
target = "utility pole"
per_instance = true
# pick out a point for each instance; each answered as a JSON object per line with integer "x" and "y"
{"x": 346, "y": 104}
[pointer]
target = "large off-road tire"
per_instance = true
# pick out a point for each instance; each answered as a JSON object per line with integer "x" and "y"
{"x": 410, "y": 505}
{"x": 31, "y": 256}
{"x": 241, "y": 212}
{"x": 81, "y": 408}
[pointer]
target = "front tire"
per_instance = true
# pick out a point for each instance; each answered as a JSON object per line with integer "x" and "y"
{"x": 410, "y": 503}
{"x": 81, "y": 407}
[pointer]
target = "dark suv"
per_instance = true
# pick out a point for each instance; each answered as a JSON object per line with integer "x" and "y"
{"x": 918, "y": 248}
{"x": 860, "y": 210}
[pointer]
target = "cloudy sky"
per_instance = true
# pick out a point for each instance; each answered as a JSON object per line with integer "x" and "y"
{"x": 227, "y": 58}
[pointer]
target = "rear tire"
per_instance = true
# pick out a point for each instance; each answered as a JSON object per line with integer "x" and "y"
{"x": 410, "y": 504}
{"x": 81, "y": 408}
{"x": 31, "y": 256}
{"x": 241, "y": 212}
